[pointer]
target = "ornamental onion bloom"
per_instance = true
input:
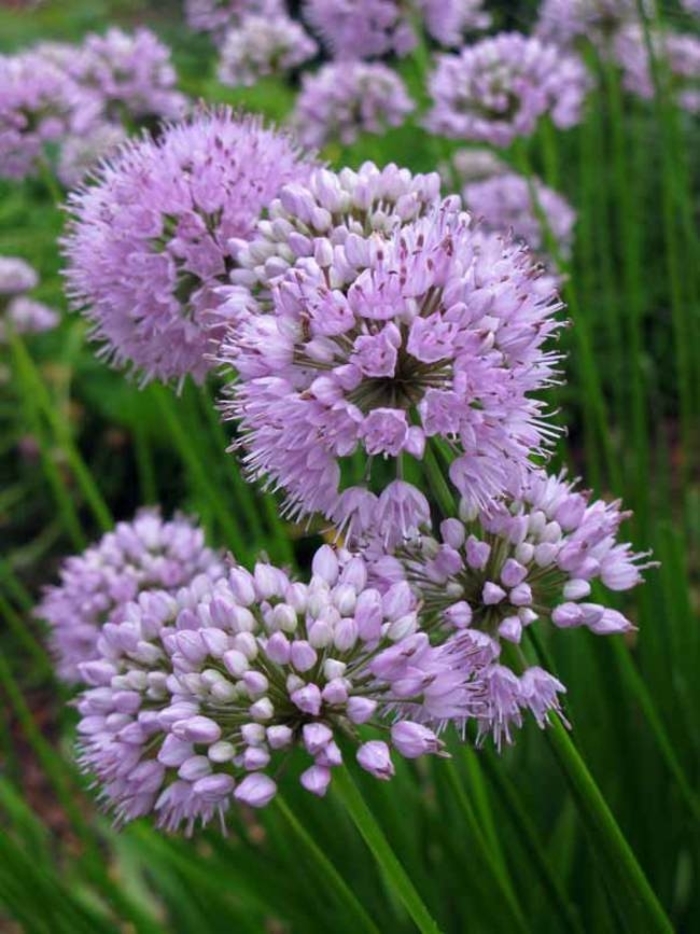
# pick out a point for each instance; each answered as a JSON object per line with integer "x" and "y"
{"x": 147, "y": 553}
{"x": 28, "y": 316}
{"x": 679, "y": 65}
{"x": 130, "y": 75}
{"x": 440, "y": 335}
{"x": 81, "y": 153}
{"x": 39, "y": 104}
{"x": 216, "y": 16}
{"x": 16, "y": 276}
{"x": 529, "y": 557}
{"x": 373, "y": 28}
{"x": 498, "y": 89}
{"x": 147, "y": 245}
{"x": 263, "y": 46}
{"x": 345, "y": 99}
{"x": 528, "y": 208}
{"x": 197, "y": 698}
{"x": 565, "y": 22}
{"x": 330, "y": 207}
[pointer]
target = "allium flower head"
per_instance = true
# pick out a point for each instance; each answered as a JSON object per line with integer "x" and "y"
{"x": 263, "y": 46}
{"x": 39, "y": 104}
{"x": 345, "y": 99}
{"x": 679, "y": 65}
{"x": 472, "y": 165}
{"x": 28, "y": 316}
{"x": 439, "y": 336}
{"x": 497, "y": 90}
{"x": 81, "y": 153}
{"x": 197, "y": 698}
{"x": 529, "y": 557}
{"x": 129, "y": 74}
{"x": 145, "y": 554}
{"x": 216, "y": 16}
{"x": 527, "y": 208}
{"x": 327, "y": 210}
{"x": 16, "y": 276}
{"x": 373, "y": 28}
{"x": 147, "y": 244}
{"x": 567, "y": 21}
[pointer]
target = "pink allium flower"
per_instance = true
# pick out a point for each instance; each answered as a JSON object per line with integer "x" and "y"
{"x": 263, "y": 46}
{"x": 81, "y": 153}
{"x": 147, "y": 245}
{"x": 147, "y": 553}
{"x": 28, "y": 316}
{"x": 568, "y": 21}
{"x": 16, "y": 276}
{"x": 197, "y": 698}
{"x": 328, "y": 209}
{"x": 498, "y": 89}
{"x": 39, "y": 104}
{"x": 505, "y": 203}
{"x": 472, "y": 165}
{"x": 345, "y": 99}
{"x": 439, "y": 335}
{"x": 679, "y": 65}
{"x": 216, "y": 16}
{"x": 531, "y": 556}
{"x": 373, "y": 28}
{"x": 129, "y": 74}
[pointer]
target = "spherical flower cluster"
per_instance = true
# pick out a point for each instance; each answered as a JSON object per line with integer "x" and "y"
{"x": 39, "y": 104}
{"x": 147, "y": 245}
{"x": 80, "y": 153}
{"x": 373, "y": 28}
{"x": 329, "y": 208}
{"x": 263, "y": 46}
{"x": 216, "y": 16}
{"x": 345, "y": 99}
{"x": 197, "y": 698}
{"x": 679, "y": 65}
{"x": 16, "y": 276}
{"x": 22, "y": 313}
{"x": 439, "y": 336}
{"x": 529, "y": 557}
{"x": 472, "y": 165}
{"x": 147, "y": 553}
{"x": 130, "y": 75}
{"x": 528, "y": 208}
{"x": 27, "y": 316}
{"x": 498, "y": 89}
{"x": 567, "y": 21}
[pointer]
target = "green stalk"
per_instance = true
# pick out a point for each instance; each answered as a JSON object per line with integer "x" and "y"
{"x": 498, "y": 873}
{"x": 334, "y": 881}
{"x": 627, "y": 885}
{"x": 191, "y": 458}
{"x": 25, "y": 637}
{"x": 394, "y": 873}
{"x": 62, "y": 431}
{"x": 532, "y": 846}
{"x": 144, "y": 465}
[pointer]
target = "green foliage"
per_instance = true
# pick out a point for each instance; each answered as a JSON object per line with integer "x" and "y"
{"x": 482, "y": 842}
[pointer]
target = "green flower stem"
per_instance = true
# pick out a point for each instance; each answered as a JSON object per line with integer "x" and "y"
{"x": 499, "y": 873}
{"x": 196, "y": 466}
{"x": 628, "y": 887}
{"x": 531, "y": 843}
{"x": 61, "y": 429}
{"x": 334, "y": 881}
{"x": 353, "y": 802}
